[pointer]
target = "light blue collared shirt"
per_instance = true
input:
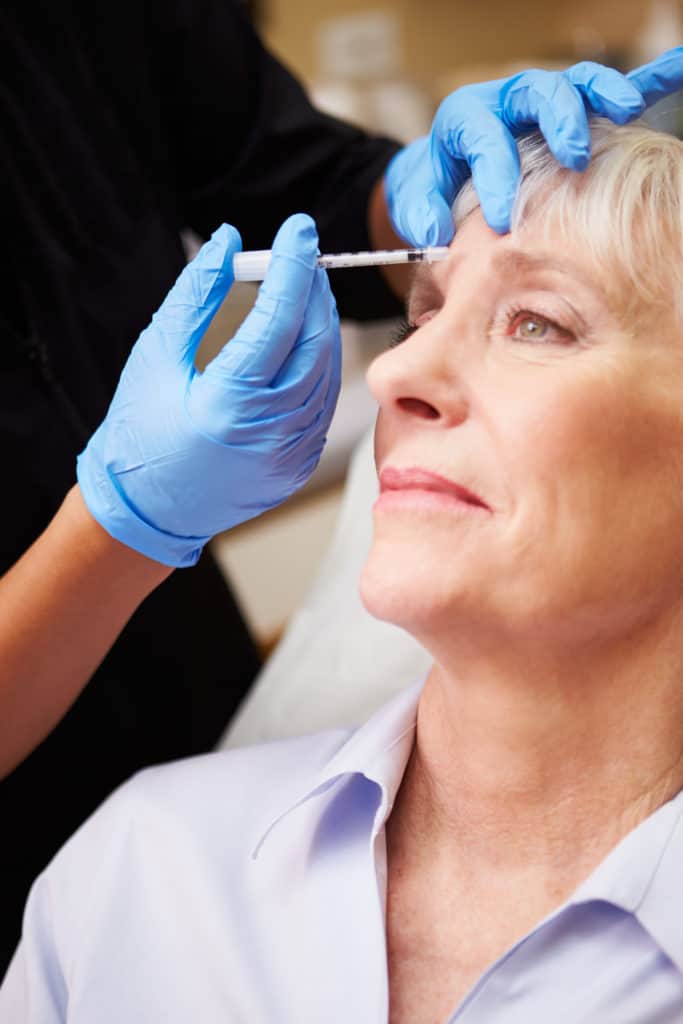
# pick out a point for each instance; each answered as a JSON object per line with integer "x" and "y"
{"x": 249, "y": 886}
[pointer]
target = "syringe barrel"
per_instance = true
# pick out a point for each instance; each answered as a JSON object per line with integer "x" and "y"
{"x": 251, "y": 266}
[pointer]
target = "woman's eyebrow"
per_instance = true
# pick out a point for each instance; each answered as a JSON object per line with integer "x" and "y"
{"x": 516, "y": 261}
{"x": 426, "y": 294}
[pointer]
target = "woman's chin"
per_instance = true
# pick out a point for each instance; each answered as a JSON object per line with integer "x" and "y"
{"x": 401, "y": 593}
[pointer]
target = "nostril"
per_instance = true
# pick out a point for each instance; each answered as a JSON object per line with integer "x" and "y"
{"x": 416, "y": 407}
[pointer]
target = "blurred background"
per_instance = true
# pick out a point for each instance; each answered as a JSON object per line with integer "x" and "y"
{"x": 387, "y": 67}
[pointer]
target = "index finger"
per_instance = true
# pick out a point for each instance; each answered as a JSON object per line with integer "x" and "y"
{"x": 267, "y": 335}
{"x": 467, "y": 129}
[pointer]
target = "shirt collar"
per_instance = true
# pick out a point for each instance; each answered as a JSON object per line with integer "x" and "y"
{"x": 642, "y": 875}
{"x": 378, "y": 750}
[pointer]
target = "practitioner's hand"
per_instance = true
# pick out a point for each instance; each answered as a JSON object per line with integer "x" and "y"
{"x": 660, "y": 77}
{"x": 474, "y": 131}
{"x": 182, "y": 455}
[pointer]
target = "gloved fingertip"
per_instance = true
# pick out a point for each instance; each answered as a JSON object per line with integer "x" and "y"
{"x": 298, "y": 234}
{"x": 429, "y": 223}
{"x": 573, "y": 157}
{"x": 629, "y": 106}
{"x": 227, "y": 236}
{"x": 442, "y": 233}
{"x": 632, "y": 98}
{"x": 404, "y": 230}
{"x": 218, "y": 252}
{"x": 498, "y": 222}
{"x": 572, "y": 152}
{"x": 497, "y": 211}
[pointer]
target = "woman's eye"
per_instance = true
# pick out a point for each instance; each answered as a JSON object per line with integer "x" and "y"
{"x": 532, "y": 329}
{"x": 528, "y": 326}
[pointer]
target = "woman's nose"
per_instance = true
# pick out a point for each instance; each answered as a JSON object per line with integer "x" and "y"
{"x": 419, "y": 378}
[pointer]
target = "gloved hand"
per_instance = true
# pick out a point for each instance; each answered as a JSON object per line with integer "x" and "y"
{"x": 474, "y": 129}
{"x": 182, "y": 455}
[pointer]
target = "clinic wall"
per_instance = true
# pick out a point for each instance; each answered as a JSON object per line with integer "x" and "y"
{"x": 437, "y": 36}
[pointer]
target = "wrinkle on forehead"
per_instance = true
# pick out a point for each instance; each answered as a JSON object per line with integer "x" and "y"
{"x": 522, "y": 262}
{"x": 608, "y": 284}
{"x": 429, "y": 288}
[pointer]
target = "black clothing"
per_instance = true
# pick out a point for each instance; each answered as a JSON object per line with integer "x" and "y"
{"x": 120, "y": 124}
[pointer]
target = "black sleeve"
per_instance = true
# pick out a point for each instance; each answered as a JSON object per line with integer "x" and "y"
{"x": 247, "y": 146}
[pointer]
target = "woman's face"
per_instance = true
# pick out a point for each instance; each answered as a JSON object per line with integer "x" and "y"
{"x": 529, "y": 447}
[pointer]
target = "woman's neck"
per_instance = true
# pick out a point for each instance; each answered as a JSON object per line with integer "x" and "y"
{"x": 544, "y": 762}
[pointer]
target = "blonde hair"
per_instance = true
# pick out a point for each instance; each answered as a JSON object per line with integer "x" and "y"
{"x": 625, "y": 210}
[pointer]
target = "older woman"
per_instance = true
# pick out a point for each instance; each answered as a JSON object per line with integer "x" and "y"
{"x": 503, "y": 842}
{"x": 530, "y": 455}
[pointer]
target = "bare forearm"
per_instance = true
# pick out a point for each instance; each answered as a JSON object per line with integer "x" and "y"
{"x": 61, "y": 608}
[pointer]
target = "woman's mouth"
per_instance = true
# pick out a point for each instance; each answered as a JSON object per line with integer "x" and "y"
{"x": 415, "y": 484}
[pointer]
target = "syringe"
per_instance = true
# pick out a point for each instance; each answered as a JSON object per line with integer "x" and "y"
{"x": 252, "y": 266}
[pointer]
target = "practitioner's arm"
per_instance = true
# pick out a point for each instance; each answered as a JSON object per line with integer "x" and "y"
{"x": 180, "y": 456}
{"x": 61, "y": 608}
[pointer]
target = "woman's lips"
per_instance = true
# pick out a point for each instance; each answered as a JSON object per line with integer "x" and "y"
{"x": 415, "y": 479}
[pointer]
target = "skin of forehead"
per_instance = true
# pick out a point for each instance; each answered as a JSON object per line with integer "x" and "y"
{"x": 425, "y": 285}
{"x": 612, "y": 284}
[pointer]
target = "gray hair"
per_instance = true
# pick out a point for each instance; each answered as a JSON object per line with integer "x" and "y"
{"x": 625, "y": 210}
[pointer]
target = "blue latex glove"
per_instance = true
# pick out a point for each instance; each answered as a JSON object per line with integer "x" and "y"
{"x": 474, "y": 131}
{"x": 182, "y": 455}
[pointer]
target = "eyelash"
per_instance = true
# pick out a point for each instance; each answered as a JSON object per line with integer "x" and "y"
{"x": 402, "y": 332}
{"x": 406, "y": 328}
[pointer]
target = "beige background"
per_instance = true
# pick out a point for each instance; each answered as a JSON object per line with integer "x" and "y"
{"x": 438, "y": 36}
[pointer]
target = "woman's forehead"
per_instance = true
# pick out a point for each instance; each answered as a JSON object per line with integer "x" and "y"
{"x": 507, "y": 257}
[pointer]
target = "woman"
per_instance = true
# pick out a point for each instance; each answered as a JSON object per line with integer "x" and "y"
{"x": 530, "y": 454}
{"x": 502, "y": 842}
